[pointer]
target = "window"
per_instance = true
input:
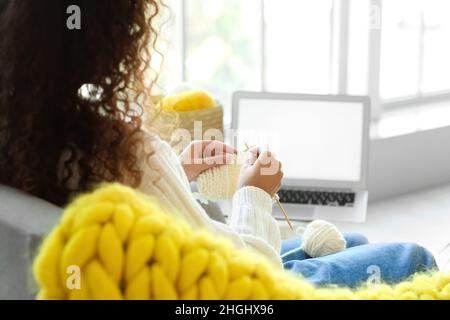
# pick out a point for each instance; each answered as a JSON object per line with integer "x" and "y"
{"x": 222, "y": 45}
{"x": 298, "y": 45}
{"x": 415, "y": 54}
{"x": 358, "y": 45}
{"x": 397, "y": 51}
{"x": 435, "y": 28}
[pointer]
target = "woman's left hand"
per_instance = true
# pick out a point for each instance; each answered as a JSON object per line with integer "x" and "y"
{"x": 200, "y": 156}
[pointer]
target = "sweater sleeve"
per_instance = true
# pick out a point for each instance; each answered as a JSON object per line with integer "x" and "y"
{"x": 252, "y": 218}
{"x": 164, "y": 178}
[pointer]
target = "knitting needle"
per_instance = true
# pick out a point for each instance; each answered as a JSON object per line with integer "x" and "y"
{"x": 286, "y": 217}
{"x": 277, "y": 200}
{"x": 247, "y": 147}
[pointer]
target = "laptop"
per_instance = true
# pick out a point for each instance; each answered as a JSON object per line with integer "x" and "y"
{"x": 323, "y": 144}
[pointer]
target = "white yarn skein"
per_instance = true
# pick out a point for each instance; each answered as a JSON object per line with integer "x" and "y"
{"x": 220, "y": 183}
{"x": 322, "y": 238}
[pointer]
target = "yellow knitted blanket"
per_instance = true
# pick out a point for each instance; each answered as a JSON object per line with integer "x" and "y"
{"x": 116, "y": 243}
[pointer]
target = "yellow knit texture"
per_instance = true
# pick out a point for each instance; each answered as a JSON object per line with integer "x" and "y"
{"x": 126, "y": 246}
{"x": 187, "y": 101}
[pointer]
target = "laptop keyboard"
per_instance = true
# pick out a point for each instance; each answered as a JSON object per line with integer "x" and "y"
{"x": 322, "y": 198}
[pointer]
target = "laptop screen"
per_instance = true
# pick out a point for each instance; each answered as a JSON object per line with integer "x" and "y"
{"x": 315, "y": 140}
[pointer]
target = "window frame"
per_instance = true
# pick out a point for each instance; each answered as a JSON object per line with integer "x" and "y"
{"x": 339, "y": 36}
{"x": 403, "y": 102}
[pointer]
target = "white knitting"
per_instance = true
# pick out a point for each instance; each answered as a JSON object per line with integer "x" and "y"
{"x": 251, "y": 222}
{"x": 220, "y": 183}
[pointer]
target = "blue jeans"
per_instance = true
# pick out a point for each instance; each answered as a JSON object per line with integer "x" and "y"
{"x": 360, "y": 262}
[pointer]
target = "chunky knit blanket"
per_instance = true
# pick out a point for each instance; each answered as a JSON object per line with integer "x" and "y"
{"x": 116, "y": 243}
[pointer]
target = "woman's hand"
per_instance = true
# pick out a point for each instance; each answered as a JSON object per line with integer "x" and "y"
{"x": 261, "y": 170}
{"x": 200, "y": 156}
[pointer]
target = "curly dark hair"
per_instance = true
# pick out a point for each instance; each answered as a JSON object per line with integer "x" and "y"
{"x": 71, "y": 101}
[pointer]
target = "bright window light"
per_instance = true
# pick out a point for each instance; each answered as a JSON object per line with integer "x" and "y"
{"x": 436, "y": 64}
{"x": 358, "y": 51}
{"x": 414, "y": 48}
{"x": 304, "y": 46}
{"x": 298, "y": 45}
{"x": 223, "y": 45}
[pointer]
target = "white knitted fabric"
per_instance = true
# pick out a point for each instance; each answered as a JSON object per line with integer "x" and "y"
{"x": 251, "y": 223}
{"x": 220, "y": 183}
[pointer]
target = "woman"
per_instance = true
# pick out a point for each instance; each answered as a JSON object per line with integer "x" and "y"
{"x": 72, "y": 105}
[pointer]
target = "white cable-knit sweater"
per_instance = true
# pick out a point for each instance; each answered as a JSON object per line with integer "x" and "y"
{"x": 250, "y": 224}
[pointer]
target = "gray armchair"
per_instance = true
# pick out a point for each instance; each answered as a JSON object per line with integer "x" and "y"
{"x": 24, "y": 220}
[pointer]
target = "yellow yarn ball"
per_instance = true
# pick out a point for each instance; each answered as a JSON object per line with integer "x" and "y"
{"x": 187, "y": 101}
{"x": 116, "y": 243}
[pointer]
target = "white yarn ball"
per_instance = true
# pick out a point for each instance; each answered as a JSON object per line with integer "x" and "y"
{"x": 322, "y": 238}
